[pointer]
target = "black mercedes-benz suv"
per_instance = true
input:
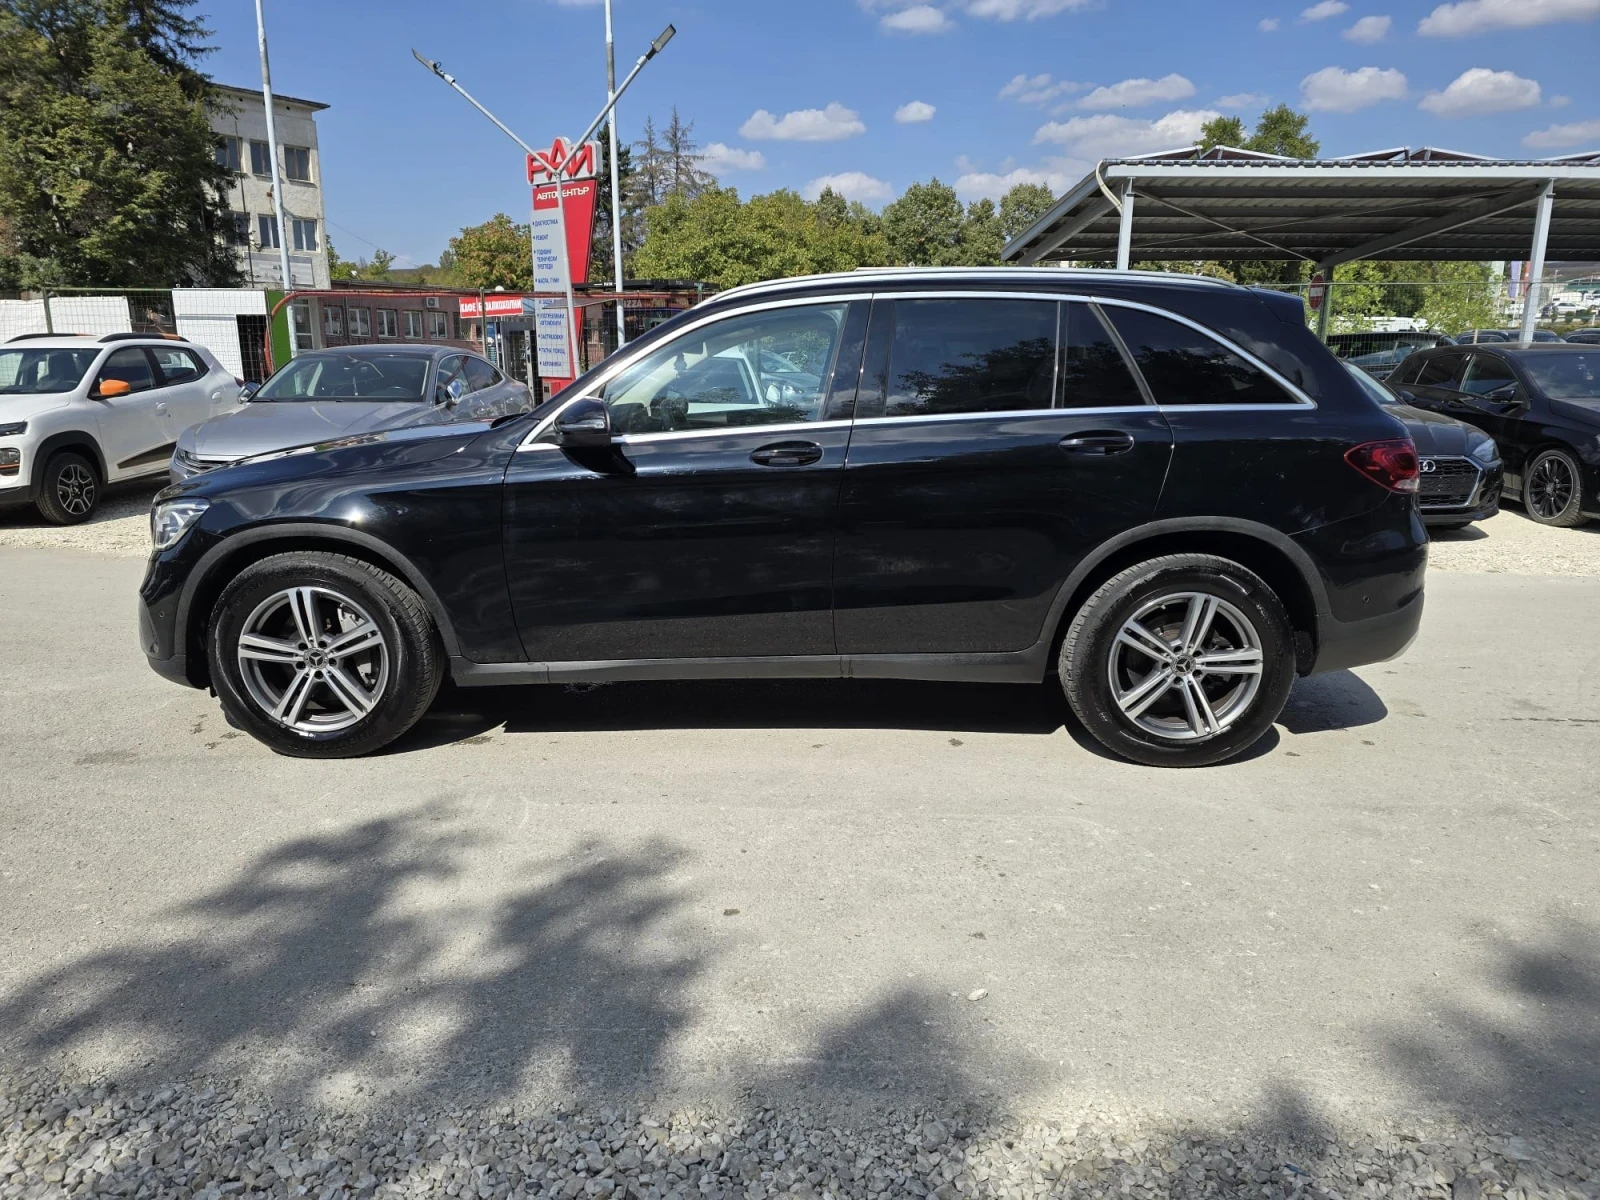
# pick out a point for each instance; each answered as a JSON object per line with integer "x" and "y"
{"x": 1162, "y": 488}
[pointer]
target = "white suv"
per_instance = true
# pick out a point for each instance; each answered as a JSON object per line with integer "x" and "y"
{"x": 79, "y": 412}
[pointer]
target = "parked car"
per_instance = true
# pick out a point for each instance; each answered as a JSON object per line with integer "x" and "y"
{"x": 1541, "y": 404}
{"x": 1380, "y": 353}
{"x": 1586, "y": 336}
{"x": 1164, "y": 489}
{"x": 1461, "y": 472}
{"x": 335, "y": 393}
{"x": 79, "y": 412}
{"x": 1475, "y": 336}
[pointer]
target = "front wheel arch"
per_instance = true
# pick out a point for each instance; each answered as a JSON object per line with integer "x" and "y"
{"x": 222, "y": 564}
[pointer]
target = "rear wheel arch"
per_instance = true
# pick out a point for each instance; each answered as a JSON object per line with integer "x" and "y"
{"x": 222, "y": 565}
{"x": 1266, "y": 552}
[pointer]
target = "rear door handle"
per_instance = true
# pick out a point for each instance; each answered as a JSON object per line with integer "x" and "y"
{"x": 1097, "y": 443}
{"x": 787, "y": 454}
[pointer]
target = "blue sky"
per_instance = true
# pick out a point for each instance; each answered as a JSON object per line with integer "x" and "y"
{"x": 877, "y": 94}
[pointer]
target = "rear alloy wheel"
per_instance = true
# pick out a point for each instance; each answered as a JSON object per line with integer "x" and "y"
{"x": 1180, "y": 661}
{"x": 69, "y": 493}
{"x": 322, "y": 655}
{"x": 1553, "y": 490}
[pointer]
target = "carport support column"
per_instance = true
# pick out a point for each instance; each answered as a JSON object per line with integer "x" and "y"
{"x": 1541, "y": 240}
{"x": 1327, "y": 300}
{"x": 1125, "y": 230}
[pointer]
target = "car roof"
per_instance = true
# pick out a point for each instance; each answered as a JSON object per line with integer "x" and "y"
{"x": 83, "y": 341}
{"x": 411, "y": 349}
{"x": 1049, "y": 278}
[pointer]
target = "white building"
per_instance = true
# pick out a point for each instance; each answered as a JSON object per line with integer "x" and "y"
{"x": 239, "y": 117}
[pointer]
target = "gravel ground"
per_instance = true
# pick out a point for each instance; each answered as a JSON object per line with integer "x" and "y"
{"x": 212, "y": 1139}
{"x": 1506, "y": 544}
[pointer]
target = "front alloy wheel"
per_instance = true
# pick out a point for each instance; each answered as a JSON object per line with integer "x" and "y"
{"x": 313, "y": 659}
{"x": 1554, "y": 490}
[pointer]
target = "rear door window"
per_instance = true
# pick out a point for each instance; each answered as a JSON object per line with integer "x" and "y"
{"x": 1440, "y": 371}
{"x": 1094, "y": 373}
{"x": 480, "y": 375}
{"x": 971, "y": 356}
{"x": 1182, "y": 365}
{"x": 1486, "y": 373}
{"x": 177, "y": 365}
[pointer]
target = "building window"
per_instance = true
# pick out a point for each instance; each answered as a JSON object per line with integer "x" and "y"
{"x": 260, "y": 159}
{"x": 302, "y": 325}
{"x": 237, "y": 229}
{"x": 439, "y": 326}
{"x": 297, "y": 164}
{"x": 360, "y": 322}
{"x": 413, "y": 323}
{"x": 333, "y": 322}
{"x": 267, "y": 231}
{"x": 388, "y": 323}
{"x": 305, "y": 234}
{"x": 230, "y": 154}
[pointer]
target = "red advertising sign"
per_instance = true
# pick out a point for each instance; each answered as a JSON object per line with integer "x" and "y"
{"x": 580, "y": 197}
{"x": 582, "y": 163}
{"x": 499, "y": 304}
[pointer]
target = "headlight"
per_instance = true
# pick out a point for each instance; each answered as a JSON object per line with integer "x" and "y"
{"x": 1485, "y": 451}
{"x": 15, "y": 429}
{"x": 171, "y": 519}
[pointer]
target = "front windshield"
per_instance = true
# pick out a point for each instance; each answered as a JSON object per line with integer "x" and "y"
{"x": 1565, "y": 376}
{"x": 372, "y": 376}
{"x": 1371, "y": 386}
{"x": 34, "y": 371}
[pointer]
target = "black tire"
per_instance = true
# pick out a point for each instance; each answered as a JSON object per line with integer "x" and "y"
{"x": 1243, "y": 712}
{"x": 1552, "y": 490}
{"x": 398, "y": 691}
{"x": 69, "y": 491}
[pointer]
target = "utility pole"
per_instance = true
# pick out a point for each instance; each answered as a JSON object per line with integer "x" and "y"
{"x": 277, "y": 181}
{"x": 616, "y": 197}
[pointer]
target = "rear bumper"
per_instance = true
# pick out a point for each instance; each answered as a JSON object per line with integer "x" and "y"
{"x": 1345, "y": 644}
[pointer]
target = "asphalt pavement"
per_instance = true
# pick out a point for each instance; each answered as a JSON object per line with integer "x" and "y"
{"x": 826, "y": 892}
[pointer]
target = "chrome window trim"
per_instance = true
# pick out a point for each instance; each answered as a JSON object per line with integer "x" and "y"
{"x": 624, "y": 361}
{"x": 1302, "y": 403}
{"x": 731, "y": 431}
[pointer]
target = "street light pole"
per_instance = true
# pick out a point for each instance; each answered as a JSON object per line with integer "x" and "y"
{"x": 277, "y": 182}
{"x": 616, "y": 198}
{"x": 656, "y": 47}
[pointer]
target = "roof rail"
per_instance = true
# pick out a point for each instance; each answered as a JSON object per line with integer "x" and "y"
{"x": 134, "y": 337}
{"x": 25, "y": 337}
{"x": 864, "y": 275}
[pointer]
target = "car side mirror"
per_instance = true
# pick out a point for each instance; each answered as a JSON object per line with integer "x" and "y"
{"x": 1406, "y": 396}
{"x": 584, "y": 425}
{"x": 108, "y": 389}
{"x": 249, "y": 390}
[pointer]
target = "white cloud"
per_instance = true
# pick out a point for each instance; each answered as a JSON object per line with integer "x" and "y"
{"x": 1242, "y": 100}
{"x": 1268, "y": 24}
{"x": 1368, "y": 30}
{"x": 914, "y": 113}
{"x": 718, "y": 158}
{"x": 1334, "y": 89}
{"x": 1032, "y": 10}
{"x": 1325, "y": 9}
{"x": 1479, "y": 16}
{"x": 1057, "y": 174}
{"x": 919, "y": 18}
{"x": 1560, "y": 101}
{"x": 1038, "y": 89}
{"x": 1132, "y": 92}
{"x": 1559, "y": 137}
{"x": 830, "y": 124}
{"x": 1106, "y": 135}
{"x": 852, "y": 185}
{"x": 1480, "y": 90}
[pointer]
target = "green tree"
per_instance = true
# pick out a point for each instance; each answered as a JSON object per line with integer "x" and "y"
{"x": 982, "y": 238}
{"x": 600, "y": 270}
{"x": 340, "y": 268}
{"x": 1023, "y": 206}
{"x": 498, "y": 253}
{"x": 1222, "y": 131}
{"x": 923, "y": 226}
{"x": 1282, "y": 130}
{"x": 684, "y": 175}
{"x": 108, "y": 171}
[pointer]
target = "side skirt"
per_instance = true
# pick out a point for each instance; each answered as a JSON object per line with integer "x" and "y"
{"x": 1023, "y": 666}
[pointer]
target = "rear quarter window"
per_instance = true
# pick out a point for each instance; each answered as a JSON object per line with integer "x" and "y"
{"x": 1184, "y": 366}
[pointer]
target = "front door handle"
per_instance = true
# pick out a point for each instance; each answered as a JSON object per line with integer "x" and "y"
{"x": 161, "y": 406}
{"x": 1100, "y": 444}
{"x": 787, "y": 454}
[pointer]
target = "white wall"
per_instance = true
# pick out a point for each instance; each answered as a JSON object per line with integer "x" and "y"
{"x": 206, "y": 316}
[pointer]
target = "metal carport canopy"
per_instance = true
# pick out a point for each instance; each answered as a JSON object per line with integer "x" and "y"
{"x": 1398, "y": 204}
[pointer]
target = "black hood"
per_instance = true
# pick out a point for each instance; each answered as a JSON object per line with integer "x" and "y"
{"x": 1434, "y": 433}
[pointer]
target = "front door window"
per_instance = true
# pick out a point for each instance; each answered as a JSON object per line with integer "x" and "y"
{"x": 764, "y": 368}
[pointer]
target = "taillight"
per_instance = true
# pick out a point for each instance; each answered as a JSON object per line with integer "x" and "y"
{"x": 1391, "y": 464}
